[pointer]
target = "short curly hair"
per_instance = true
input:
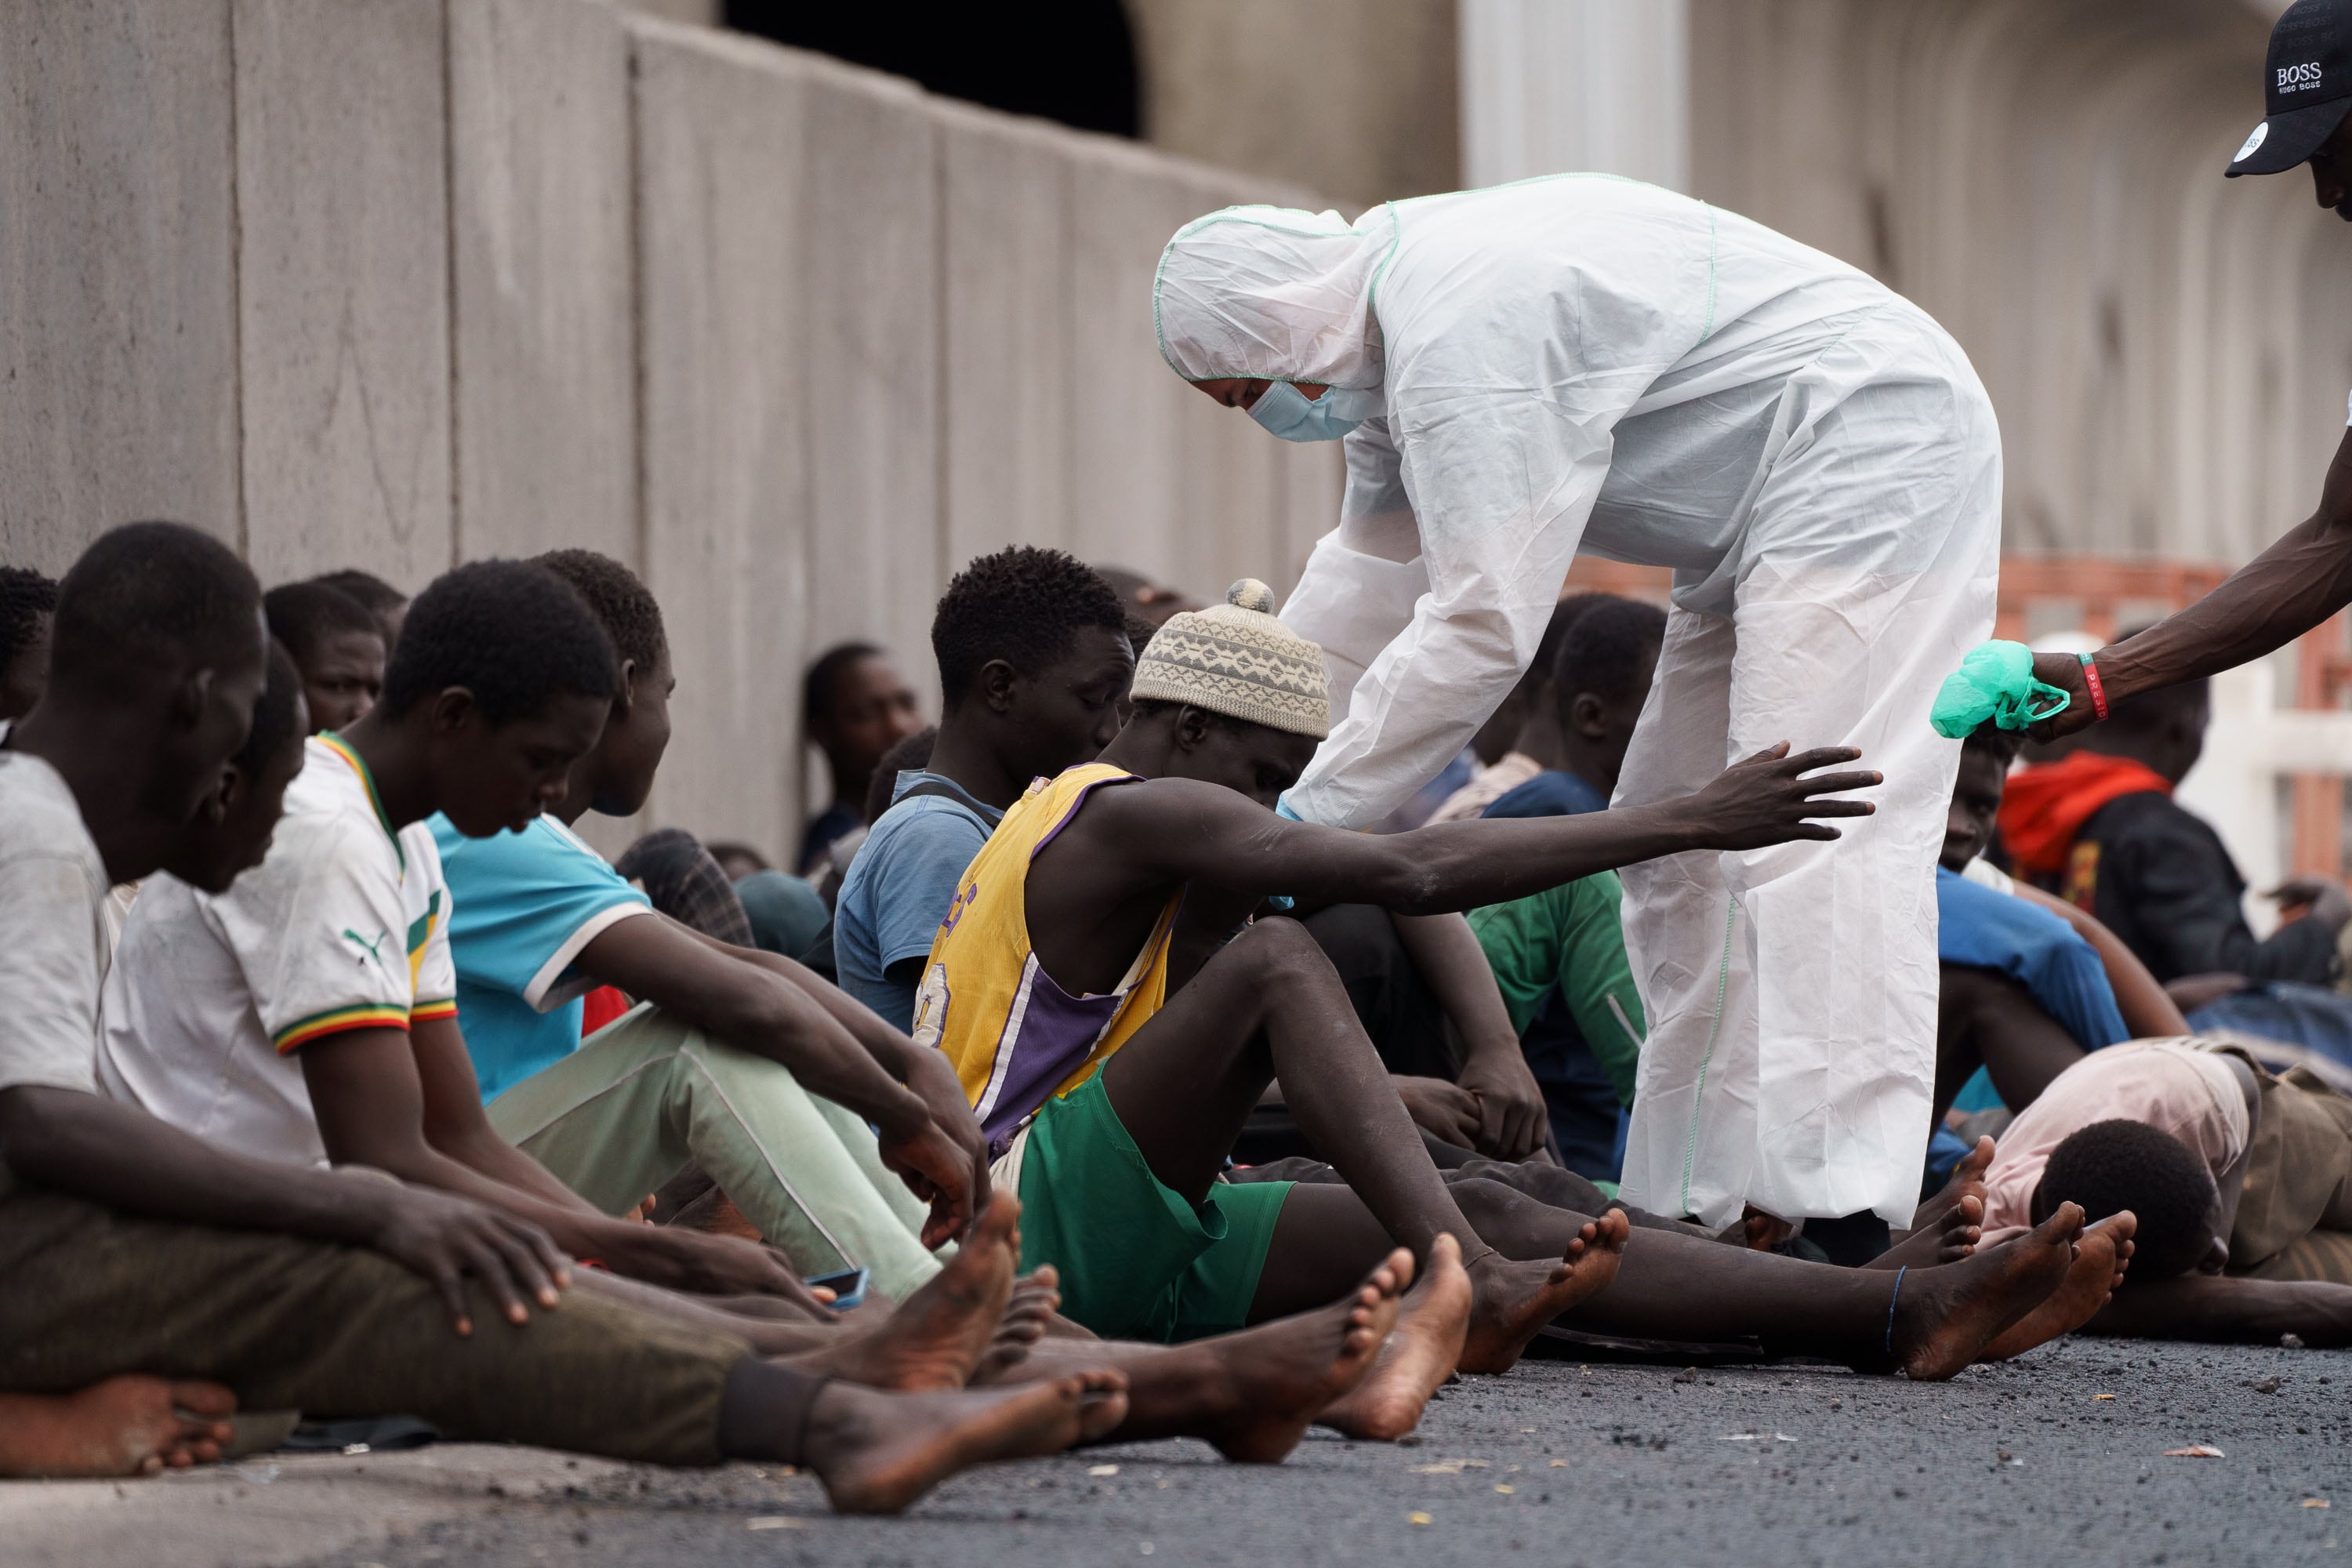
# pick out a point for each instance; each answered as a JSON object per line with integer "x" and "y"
{"x": 149, "y": 597}
{"x": 2117, "y": 1164}
{"x": 1024, "y": 605}
{"x": 632, "y": 617}
{"x": 25, "y": 597}
{"x": 511, "y": 632}
{"x": 304, "y": 615}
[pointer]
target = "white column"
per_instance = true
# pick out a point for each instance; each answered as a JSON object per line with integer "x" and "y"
{"x": 1551, "y": 87}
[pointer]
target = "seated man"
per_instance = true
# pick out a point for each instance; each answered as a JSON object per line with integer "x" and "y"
{"x": 2022, "y": 995}
{"x": 1112, "y": 1032}
{"x": 855, "y": 706}
{"x": 1524, "y": 735}
{"x": 1034, "y": 664}
{"x": 2100, "y": 828}
{"x": 387, "y": 604}
{"x": 1035, "y": 660}
{"x": 309, "y": 1015}
{"x": 26, "y": 600}
{"x": 1560, "y": 955}
{"x": 337, "y": 644}
{"x": 740, "y": 1060}
{"x": 158, "y": 1273}
{"x": 2242, "y": 1180}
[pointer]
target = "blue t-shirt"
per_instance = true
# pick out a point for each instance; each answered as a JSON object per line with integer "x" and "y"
{"x": 1984, "y": 928}
{"x": 899, "y": 886}
{"x": 1550, "y": 792}
{"x": 523, "y": 905}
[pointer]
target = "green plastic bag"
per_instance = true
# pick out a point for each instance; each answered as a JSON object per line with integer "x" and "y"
{"x": 1995, "y": 682}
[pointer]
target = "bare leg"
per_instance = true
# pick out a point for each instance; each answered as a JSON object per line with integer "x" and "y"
{"x": 1269, "y": 1005}
{"x": 2212, "y": 1309}
{"x": 126, "y": 1426}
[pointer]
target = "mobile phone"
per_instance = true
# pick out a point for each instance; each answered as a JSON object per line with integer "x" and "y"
{"x": 849, "y": 1287}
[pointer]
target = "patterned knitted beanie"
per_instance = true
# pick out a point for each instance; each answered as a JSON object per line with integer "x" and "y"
{"x": 1236, "y": 659}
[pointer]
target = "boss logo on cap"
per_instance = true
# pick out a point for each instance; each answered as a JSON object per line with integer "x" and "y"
{"x": 2298, "y": 79}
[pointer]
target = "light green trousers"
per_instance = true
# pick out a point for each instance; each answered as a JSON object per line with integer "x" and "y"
{"x": 645, "y": 1094}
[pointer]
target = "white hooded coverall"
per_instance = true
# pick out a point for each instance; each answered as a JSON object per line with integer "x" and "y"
{"x": 1587, "y": 363}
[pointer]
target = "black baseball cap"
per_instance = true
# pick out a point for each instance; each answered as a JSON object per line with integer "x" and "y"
{"x": 2307, "y": 87}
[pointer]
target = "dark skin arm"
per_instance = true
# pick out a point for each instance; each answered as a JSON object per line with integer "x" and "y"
{"x": 1512, "y": 1116}
{"x": 2277, "y": 596}
{"x": 772, "y": 1007}
{"x": 74, "y": 1141}
{"x": 370, "y": 1092}
{"x": 1112, "y": 866}
{"x": 2212, "y": 1309}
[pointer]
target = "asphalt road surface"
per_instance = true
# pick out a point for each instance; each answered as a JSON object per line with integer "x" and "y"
{"x": 2058, "y": 1459}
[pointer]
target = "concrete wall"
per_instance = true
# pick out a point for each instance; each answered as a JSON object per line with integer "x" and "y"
{"x": 398, "y": 283}
{"x": 2168, "y": 350}
{"x": 1354, "y": 98}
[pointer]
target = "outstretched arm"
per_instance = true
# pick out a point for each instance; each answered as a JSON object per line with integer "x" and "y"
{"x": 1173, "y": 829}
{"x": 2278, "y": 595}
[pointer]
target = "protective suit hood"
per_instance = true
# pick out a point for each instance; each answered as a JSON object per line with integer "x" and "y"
{"x": 1273, "y": 292}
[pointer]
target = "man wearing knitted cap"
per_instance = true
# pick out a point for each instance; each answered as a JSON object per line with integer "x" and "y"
{"x": 1113, "y": 1032}
{"x": 1585, "y": 363}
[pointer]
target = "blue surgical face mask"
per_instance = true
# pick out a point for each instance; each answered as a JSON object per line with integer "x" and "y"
{"x": 1291, "y": 414}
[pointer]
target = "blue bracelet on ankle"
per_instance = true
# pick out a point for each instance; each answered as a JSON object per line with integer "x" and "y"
{"x": 1899, "y": 1273}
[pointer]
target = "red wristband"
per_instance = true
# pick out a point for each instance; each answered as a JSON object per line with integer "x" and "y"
{"x": 2098, "y": 687}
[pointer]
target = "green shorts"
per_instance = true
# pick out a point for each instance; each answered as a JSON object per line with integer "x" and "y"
{"x": 1138, "y": 1261}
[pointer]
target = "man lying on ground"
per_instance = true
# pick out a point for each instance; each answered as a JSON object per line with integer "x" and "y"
{"x": 1112, "y": 1033}
{"x": 157, "y": 1273}
{"x": 2242, "y": 1182}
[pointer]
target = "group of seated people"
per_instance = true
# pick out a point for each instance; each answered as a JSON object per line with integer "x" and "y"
{"x": 1099, "y": 1102}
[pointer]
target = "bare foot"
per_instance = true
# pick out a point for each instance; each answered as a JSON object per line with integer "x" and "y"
{"x": 1942, "y": 1319}
{"x": 1947, "y": 1240}
{"x": 2100, "y": 1259}
{"x": 1513, "y": 1301}
{"x": 1262, "y": 1387}
{"x": 877, "y": 1453}
{"x": 127, "y": 1426}
{"x": 1419, "y": 1357}
{"x": 938, "y": 1336}
{"x": 1968, "y": 1180}
{"x": 1035, "y": 1297}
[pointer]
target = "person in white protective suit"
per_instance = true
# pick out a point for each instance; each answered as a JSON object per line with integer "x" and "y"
{"x": 1587, "y": 362}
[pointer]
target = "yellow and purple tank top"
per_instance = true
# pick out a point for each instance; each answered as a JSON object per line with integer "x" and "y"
{"x": 1014, "y": 1037}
